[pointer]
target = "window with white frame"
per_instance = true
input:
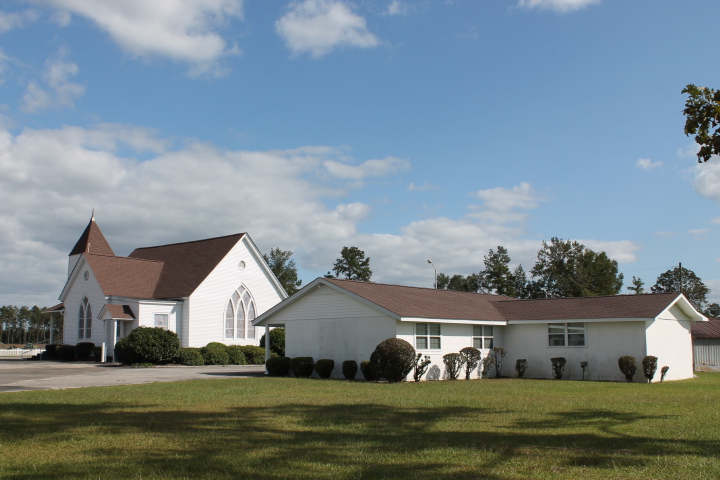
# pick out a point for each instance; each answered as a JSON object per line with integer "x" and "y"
{"x": 566, "y": 334}
{"x": 427, "y": 336}
{"x": 161, "y": 320}
{"x": 483, "y": 337}
{"x": 239, "y": 314}
{"x": 85, "y": 319}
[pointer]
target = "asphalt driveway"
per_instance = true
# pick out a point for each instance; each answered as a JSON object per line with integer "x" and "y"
{"x": 19, "y": 374}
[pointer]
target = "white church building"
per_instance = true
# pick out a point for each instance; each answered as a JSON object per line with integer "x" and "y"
{"x": 206, "y": 291}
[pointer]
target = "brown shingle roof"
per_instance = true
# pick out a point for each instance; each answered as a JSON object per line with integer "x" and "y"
{"x": 431, "y": 303}
{"x": 568, "y": 308}
{"x": 426, "y": 302}
{"x": 125, "y": 277}
{"x": 92, "y": 241}
{"x": 186, "y": 264}
{"x": 709, "y": 329}
{"x": 120, "y": 312}
{"x": 55, "y": 308}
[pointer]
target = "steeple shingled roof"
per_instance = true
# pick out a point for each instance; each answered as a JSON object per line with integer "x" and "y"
{"x": 92, "y": 241}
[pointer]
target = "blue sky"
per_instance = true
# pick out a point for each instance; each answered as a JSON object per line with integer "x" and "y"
{"x": 413, "y": 130}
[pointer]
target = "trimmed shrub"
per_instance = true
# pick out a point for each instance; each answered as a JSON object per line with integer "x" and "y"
{"x": 278, "y": 366}
{"x": 628, "y": 366}
{"x": 663, "y": 372}
{"x": 520, "y": 367}
{"x": 148, "y": 345}
{"x": 51, "y": 352}
{"x": 277, "y": 341}
{"x": 453, "y": 364}
{"x": 368, "y": 370}
{"x": 236, "y": 355}
{"x": 558, "y": 367}
{"x": 324, "y": 367}
{"x": 471, "y": 358}
{"x": 499, "y": 355}
{"x": 393, "y": 359}
{"x": 97, "y": 354}
{"x": 302, "y": 366}
{"x": 66, "y": 353}
{"x": 215, "y": 353}
{"x": 649, "y": 365}
{"x": 584, "y": 365}
{"x": 254, "y": 355}
{"x": 421, "y": 366}
{"x": 349, "y": 369}
{"x": 487, "y": 363}
{"x": 84, "y": 351}
{"x": 190, "y": 356}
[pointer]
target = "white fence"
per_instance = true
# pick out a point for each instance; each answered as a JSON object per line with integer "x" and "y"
{"x": 21, "y": 352}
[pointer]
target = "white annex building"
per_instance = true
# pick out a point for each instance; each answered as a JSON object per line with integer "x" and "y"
{"x": 206, "y": 291}
{"x": 345, "y": 320}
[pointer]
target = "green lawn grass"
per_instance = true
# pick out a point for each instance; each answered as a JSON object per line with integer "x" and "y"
{"x": 276, "y": 428}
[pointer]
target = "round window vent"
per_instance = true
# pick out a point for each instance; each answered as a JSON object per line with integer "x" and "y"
{"x": 241, "y": 265}
{"x": 87, "y": 275}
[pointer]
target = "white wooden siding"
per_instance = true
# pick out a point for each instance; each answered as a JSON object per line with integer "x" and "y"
{"x": 670, "y": 340}
{"x": 78, "y": 289}
{"x": 206, "y": 306}
{"x": 329, "y": 324}
{"x": 604, "y": 344}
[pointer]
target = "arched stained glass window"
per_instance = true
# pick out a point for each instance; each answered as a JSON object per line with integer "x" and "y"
{"x": 85, "y": 319}
{"x": 239, "y": 314}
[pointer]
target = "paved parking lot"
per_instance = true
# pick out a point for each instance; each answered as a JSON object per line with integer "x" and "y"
{"x": 19, "y": 374}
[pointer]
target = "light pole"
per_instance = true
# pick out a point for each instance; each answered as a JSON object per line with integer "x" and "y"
{"x": 433, "y": 265}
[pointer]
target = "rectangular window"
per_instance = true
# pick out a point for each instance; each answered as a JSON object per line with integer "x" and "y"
{"x": 483, "y": 337}
{"x": 566, "y": 334}
{"x": 161, "y": 320}
{"x": 427, "y": 336}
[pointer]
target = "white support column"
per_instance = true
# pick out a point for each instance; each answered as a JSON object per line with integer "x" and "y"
{"x": 267, "y": 347}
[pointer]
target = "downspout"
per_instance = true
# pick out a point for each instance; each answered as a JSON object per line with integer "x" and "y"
{"x": 267, "y": 347}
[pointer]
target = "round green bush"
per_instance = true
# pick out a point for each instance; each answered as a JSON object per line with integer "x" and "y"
{"x": 66, "y": 353}
{"x": 254, "y": 355}
{"x": 394, "y": 359}
{"x": 84, "y": 351}
{"x": 148, "y": 345}
{"x": 277, "y": 341}
{"x": 349, "y": 369}
{"x": 215, "y": 353}
{"x": 190, "y": 356}
{"x": 324, "y": 367}
{"x": 278, "y": 366}
{"x": 627, "y": 365}
{"x": 236, "y": 355}
{"x": 302, "y": 366}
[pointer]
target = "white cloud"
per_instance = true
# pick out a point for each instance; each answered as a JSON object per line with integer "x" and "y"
{"x": 665, "y": 234}
{"x": 647, "y": 164}
{"x": 560, "y": 6}
{"x": 59, "y": 91}
{"x": 716, "y": 220}
{"x": 396, "y": 7}
{"x": 317, "y": 27}
{"x": 425, "y": 187}
{"x": 503, "y": 199}
{"x": 707, "y": 179}
{"x": 50, "y": 180}
{"x": 697, "y": 232}
{"x": 369, "y": 168}
{"x": 182, "y": 30}
{"x": 624, "y": 251}
{"x": 9, "y": 21}
{"x": 689, "y": 151}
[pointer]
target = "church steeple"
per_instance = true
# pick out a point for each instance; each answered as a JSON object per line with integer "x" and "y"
{"x": 91, "y": 241}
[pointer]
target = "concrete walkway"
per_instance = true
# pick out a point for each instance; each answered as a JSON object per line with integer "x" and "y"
{"x": 19, "y": 374}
